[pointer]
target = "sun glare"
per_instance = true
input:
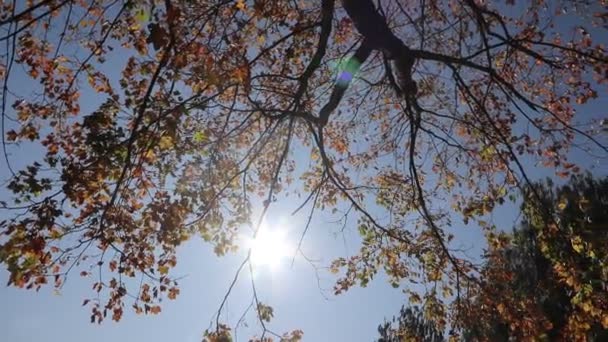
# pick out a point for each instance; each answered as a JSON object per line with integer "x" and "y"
{"x": 269, "y": 248}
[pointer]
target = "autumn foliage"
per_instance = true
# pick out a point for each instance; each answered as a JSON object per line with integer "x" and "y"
{"x": 160, "y": 120}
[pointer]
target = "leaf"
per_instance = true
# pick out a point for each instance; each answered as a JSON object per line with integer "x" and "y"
{"x": 11, "y": 135}
{"x": 501, "y": 308}
{"x": 563, "y": 203}
{"x": 173, "y": 292}
{"x": 265, "y": 312}
{"x": 142, "y": 15}
{"x": 117, "y": 314}
{"x": 587, "y": 306}
{"x": 163, "y": 269}
{"x": 166, "y": 142}
{"x": 415, "y": 298}
{"x": 577, "y": 244}
{"x": 199, "y": 137}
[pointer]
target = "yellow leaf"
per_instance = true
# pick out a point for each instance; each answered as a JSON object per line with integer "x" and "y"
{"x": 240, "y": 4}
{"x": 165, "y": 143}
{"x": 163, "y": 269}
{"x": 142, "y": 15}
{"x": 149, "y": 156}
{"x": 587, "y": 306}
{"x": 577, "y": 244}
{"x": 415, "y": 298}
{"x": 55, "y": 234}
{"x": 562, "y": 204}
{"x": 570, "y": 281}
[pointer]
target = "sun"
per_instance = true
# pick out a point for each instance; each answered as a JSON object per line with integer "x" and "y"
{"x": 269, "y": 248}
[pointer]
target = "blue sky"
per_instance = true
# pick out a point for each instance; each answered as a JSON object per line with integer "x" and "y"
{"x": 301, "y": 297}
{"x": 294, "y": 293}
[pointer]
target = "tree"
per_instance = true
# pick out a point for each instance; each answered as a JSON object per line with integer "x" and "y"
{"x": 531, "y": 269}
{"x": 411, "y": 326}
{"x": 207, "y": 108}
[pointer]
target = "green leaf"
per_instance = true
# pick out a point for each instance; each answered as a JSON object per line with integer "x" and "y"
{"x": 199, "y": 137}
{"x": 141, "y": 15}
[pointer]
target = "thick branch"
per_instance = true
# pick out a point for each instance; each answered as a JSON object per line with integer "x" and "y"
{"x": 375, "y": 29}
{"x": 377, "y": 36}
{"x": 343, "y": 81}
{"x": 327, "y": 15}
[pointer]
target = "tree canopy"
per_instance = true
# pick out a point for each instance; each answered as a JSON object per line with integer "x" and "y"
{"x": 527, "y": 269}
{"x": 406, "y": 119}
{"x": 552, "y": 270}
